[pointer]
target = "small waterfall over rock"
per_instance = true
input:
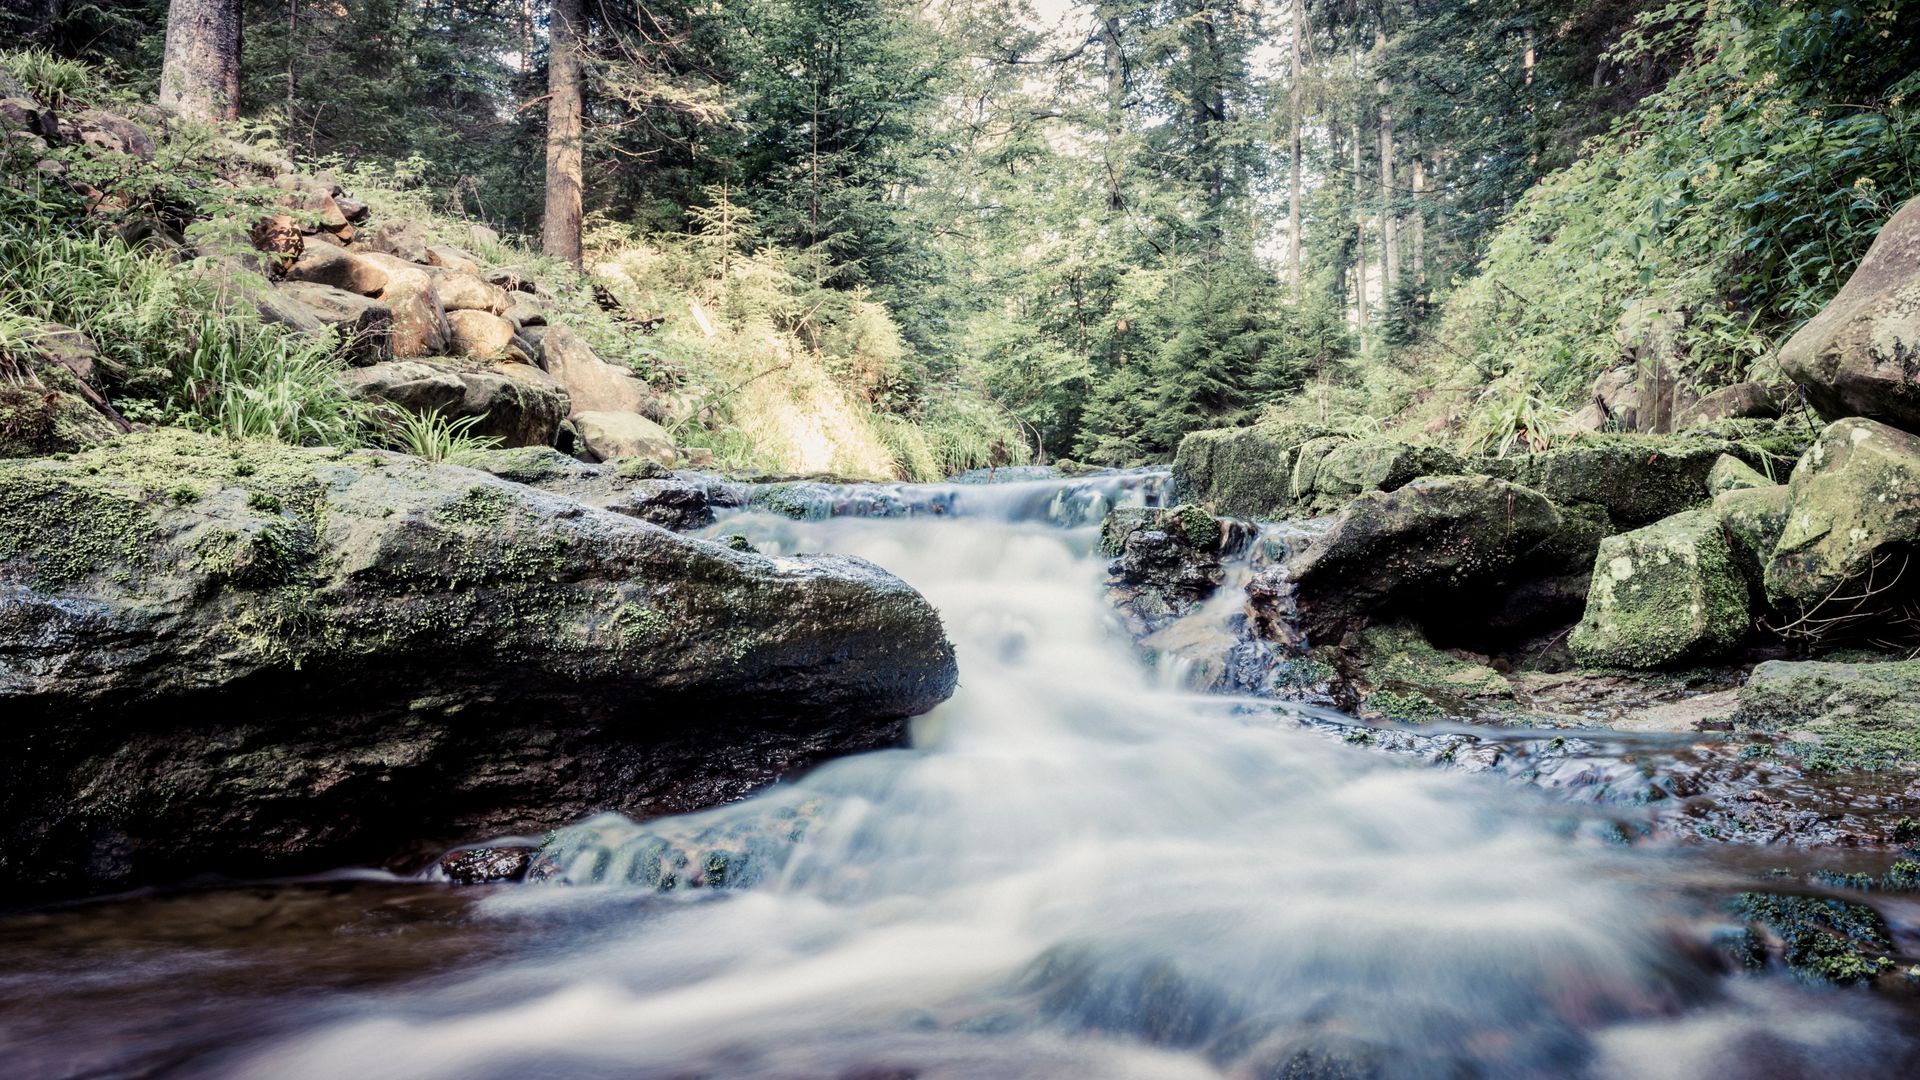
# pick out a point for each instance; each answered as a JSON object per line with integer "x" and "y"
{"x": 1081, "y": 868}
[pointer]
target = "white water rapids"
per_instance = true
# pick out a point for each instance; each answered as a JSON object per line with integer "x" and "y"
{"x": 1075, "y": 872}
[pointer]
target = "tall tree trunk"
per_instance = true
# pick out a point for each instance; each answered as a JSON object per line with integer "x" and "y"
{"x": 1295, "y": 99}
{"x": 1419, "y": 217}
{"x": 1359, "y": 219}
{"x": 1113, "y": 62}
{"x": 1389, "y": 227}
{"x": 560, "y": 228}
{"x": 200, "y": 73}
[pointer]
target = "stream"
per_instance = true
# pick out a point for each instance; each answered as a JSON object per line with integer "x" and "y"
{"x": 1078, "y": 868}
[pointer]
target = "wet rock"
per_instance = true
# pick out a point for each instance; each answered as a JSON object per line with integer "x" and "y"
{"x": 1168, "y": 562}
{"x": 1853, "y": 508}
{"x": 1823, "y": 938}
{"x": 268, "y": 660}
{"x": 670, "y": 504}
{"x": 487, "y": 865}
{"x": 1401, "y": 676}
{"x": 1663, "y": 594}
{"x": 1424, "y": 545}
{"x": 1837, "y": 715}
{"x": 513, "y": 411}
{"x": 1861, "y": 355}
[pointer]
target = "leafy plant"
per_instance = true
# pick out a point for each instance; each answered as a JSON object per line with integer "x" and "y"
{"x": 434, "y": 437}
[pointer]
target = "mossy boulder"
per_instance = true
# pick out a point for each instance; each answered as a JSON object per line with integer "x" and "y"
{"x": 1408, "y": 679}
{"x": 1661, "y": 595}
{"x": 1432, "y": 541}
{"x": 1853, "y": 505}
{"x": 1329, "y": 472}
{"x": 1241, "y": 472}
{"x": 1729, "y": 473}
{"x": 247, "y": 658}
{"x": 1638, "y": 479}
{"x": 1837, "y": 715}
{"x": 514, "y": 403}
{"x": 1752, "y": 518}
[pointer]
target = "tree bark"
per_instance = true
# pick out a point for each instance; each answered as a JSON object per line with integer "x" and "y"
{"x": 1359, "y": 219}
{"x": 1419, "y": 217}
{"x": 1389, "y": 227}
{"x": 200, "y": 72}
{"x": 1295, "y": 99}
{"x": 1113, "y": 62}
{"x": 560, "y": 227}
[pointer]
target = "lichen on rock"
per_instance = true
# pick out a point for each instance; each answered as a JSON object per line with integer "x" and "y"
{"x": 1664, "y": 594}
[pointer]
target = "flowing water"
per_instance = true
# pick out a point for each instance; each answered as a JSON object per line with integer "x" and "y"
{"x": 1076, "y": 869}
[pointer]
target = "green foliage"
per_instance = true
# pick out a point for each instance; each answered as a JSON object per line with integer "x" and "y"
{"x": 53, "y": 80}
{"x": 432, "y": 436}
{"x": 1741, "y": 194}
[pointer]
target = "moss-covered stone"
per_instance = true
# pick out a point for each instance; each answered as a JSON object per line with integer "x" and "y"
{"x": 1662, "y": 595}
{"x": 1639, "y": 479}
{"x": 1853, "y": 499}
{"x": 1752, "y": 519}
{"x": 322, "y": 656}
{"x": 1837, "y": 715}
{"x": 1330, "y": 472}
{"x": 1241, "y": 472}
{"x": 1413, "y": 681}
{"x": 1824, "y": 939}
{"x": 1729, "y": 473}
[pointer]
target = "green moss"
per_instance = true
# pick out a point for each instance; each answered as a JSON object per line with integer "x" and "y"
{"x": 1837, "y": 716}
{"x": 1664, "y": 594}
{"x": 639, "y": 624}
{"x": 1403, "y": 705}
{"x": 1193, "y": 525}
{"x": 1241, "y": 472}
{"x": 67, "y": 530}
{"x": 1824, "y": 938}
{"x": 484, "y": 506}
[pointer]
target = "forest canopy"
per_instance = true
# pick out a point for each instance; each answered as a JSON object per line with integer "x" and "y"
{"x": 1115, "y": 223}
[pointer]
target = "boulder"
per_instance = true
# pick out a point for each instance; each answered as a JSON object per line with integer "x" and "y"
{"x": 419, "y": 322}
{"x": 314, "y": 197}
{"x": 254, "y": 659}
{"x": 525, "y": 309}
{"x": 1413, "y": 550}
{"x": 670, "y": 502}
{"x": 1836, "y": 715}
{"x": 1328, "y": 472}
{"x": 1860, "y": 356}
{"x": 604, "y": 436}
{"x": 24, "y": 114}
{"x": 448, "y": 257}
{"x": 1729, "y": 473}
{"x": 1166, "y": 561}
{"x": 482, "y": 237}
{"x": 1241, "y": 472}
{"x": 342, "y": 269}
{"x": 363, "y": 323}
{"x": 129, "y": 136}
{"x": 1853, "y": 506}
{"x": 355, "y": 211}
{"x": 1613, "y": 404}
{"x": 466, "y": 292}
{"x": 517, "y": 413}
{"x": 592, "y": 383}
{"x": 1637, "y": 479}
{"x": 1741, "y": 401}
{"x": 479, "y": 334}
{"x": 1664, "y": 594}
{"x": 1752, "y": 518}
{"x": 400, "y": 238}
